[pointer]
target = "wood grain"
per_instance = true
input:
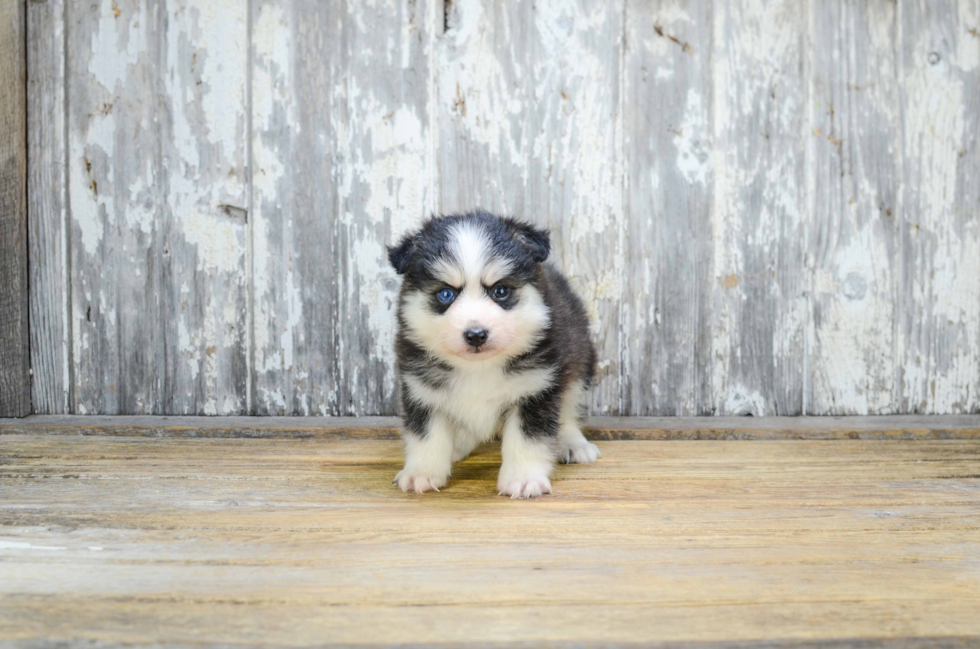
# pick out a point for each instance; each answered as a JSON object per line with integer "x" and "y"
{"x": 483, "y": 93}
{"x": 341, "y": 148}
{"x": 157, "y": 165}
{"x": 598, "y": 428}
{"x": 769, "y": 208}
{"x": 530, "y": 121}
{"x": 15, "y": 380}
{"x": 306, "y": 542}
{"x": 855, "y": 174}
{"x": 47, "y": 209}
{"x": 939, "y": 354}
{"x": 757, "y": 290}
{"x": 574, "y": 121}
{"x": 669, "y": 182}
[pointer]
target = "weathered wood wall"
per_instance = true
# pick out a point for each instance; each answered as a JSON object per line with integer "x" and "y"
{"x": 771, "y": 207}
{"x": 15, "y": 395}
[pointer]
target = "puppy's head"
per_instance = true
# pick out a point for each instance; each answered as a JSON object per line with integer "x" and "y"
{"x": 469, "y": 293}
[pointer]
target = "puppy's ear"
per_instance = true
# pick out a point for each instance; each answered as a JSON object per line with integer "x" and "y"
{"x": 536, "y": 240}
{"x": 401, "y": 254}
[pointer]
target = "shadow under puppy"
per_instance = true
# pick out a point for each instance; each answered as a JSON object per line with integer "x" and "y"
{"x": 491, "y": 340}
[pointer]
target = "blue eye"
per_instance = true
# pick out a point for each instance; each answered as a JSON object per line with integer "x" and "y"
{"x": 501, "y": 292}
{"x": 447, "y": 295}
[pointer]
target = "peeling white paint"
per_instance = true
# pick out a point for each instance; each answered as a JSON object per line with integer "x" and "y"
{"x": 294, "y": 313}
{"x": 968, "y": 35}
{"x": 189, "y": 349}
{"x": 472, "y": 84}
{"x": 580, "y": 122}
{"x": 201, "y": 118}
{"x": 693, "y": 141}
{"x": 116, "y": 46}
{"x": 946, "y": 280}
{"x": 536, "y": 127}
{"x": 756, "y": 201}
{"x": 220, "y": 24}
{"x": 740, "y": 400}
{"x": 90, "y": 200}
{"x": 378, "y": 295}
{"x": 272, "y": 85}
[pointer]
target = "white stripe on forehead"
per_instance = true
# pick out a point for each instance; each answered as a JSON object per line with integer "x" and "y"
{"x": 471, "y": 249}
{"x": 469, "y": 262}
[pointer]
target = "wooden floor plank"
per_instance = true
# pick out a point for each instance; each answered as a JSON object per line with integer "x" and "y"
{"x": 299, "y": 542}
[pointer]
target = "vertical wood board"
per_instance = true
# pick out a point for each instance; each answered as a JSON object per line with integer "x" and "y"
{"x": 47, "y": 208}
{"x": 669, "y": 182}
{"x": 157, "y": 187}
{"x": 482, "y": 89}
{"x": 15, "y": 390}
{"x": 342, "y": 166}
{"x": 756, "y": 300}
{"x": 854, "y": 175}
{"x": 939, "y": 344}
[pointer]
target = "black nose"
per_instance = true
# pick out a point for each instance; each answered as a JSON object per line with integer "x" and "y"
{"x": 475, "y": 336}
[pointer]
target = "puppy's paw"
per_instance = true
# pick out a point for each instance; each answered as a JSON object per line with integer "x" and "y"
{"x": 580, "y": 453}
{"x": 414, "y": 481}
{"x": 527, "y": 484}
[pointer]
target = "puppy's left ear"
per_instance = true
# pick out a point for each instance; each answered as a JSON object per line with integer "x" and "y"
{"x": 536, "y": 240}
{"x": 400, "y": 255}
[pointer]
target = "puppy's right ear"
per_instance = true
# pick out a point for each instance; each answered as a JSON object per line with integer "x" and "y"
{"x": 536, "y": 240}
{"x": 400, "y": 255}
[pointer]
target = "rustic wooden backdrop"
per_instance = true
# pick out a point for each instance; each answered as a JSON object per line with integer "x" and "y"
{"x": 15, "y": 395}
{"x": 770, "y": 206}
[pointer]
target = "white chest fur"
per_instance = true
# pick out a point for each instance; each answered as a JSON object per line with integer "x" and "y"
{"x": 475, "y": 397}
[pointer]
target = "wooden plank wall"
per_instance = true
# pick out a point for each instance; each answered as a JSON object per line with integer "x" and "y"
{"x": 15, "y": 395}
{"x": 771, "y": 208}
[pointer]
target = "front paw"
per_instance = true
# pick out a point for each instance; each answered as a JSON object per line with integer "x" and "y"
{"x": 523, "y": 484}
{"x": 415, "y": 481}
{"x": 581, "y": 453}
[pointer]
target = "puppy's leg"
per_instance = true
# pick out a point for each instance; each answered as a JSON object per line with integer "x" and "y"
{"x": 573, "y": 447}
{"x": 528, "y": 447}
{"x": 428, "y": 451}
{"x": 465, "y": 442}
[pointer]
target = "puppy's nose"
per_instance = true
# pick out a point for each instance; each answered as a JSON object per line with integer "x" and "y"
{"x": 475, "y": 336}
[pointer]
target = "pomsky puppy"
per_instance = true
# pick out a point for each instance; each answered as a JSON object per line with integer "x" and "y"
{"x": 491, "y": 341}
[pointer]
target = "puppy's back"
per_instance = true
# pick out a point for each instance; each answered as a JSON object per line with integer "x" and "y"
{"x": 569, "y": 330}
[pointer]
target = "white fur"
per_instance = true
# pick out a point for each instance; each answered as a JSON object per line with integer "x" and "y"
{"x": 496, "y": 270}
{"x": 428, "y": 461}
{"x": 574, "y": 448}
{"x": 468, "y": 259}
{"x": 471, "y": 249}
{"x": 467, "y": 411}
{"x": 477, "y": 395}
{"x": 527, "y": 462}
{"x": 511, "y": 331}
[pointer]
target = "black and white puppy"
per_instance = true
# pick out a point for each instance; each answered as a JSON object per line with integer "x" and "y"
{"x": 490, "y": 341}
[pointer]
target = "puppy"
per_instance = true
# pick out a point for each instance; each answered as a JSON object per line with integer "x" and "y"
{"x": 491, "y": 340}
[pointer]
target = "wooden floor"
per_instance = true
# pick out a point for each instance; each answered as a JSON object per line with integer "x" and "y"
{"x": 297, "y": 542}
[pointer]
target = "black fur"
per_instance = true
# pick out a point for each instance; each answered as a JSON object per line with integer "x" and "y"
{"x": 416, "y": 415}
{"x": 521, "y": 242}
{"x": 563, "y": 345}
{"x": 539, "y": 413}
